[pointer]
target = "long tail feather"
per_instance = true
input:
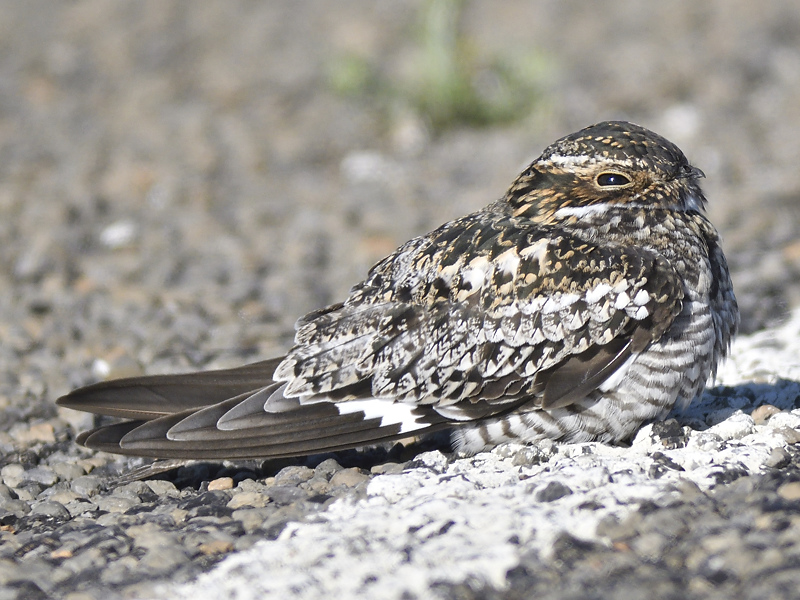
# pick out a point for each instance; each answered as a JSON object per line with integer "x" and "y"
{"x": 236, "y": 414}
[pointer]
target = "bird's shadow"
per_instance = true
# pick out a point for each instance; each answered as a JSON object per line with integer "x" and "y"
{"x": 197, "y": 473}
{"x": 720, "y": 402}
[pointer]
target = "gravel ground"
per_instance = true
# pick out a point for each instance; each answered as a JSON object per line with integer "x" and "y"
{"x": 181, "y": 180}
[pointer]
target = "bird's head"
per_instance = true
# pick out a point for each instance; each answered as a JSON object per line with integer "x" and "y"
{"x": 612, "y": 163}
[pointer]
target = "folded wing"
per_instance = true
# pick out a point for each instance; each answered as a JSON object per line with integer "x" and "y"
{"x": 468, "y": 323}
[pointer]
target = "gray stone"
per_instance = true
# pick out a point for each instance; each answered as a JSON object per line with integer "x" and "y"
{"x": 16, "y": 507}
{"x": 289, "y": 476}
{"x": 51, "y": 509}
{"x": 552, "y": 491}
{"x": 6, "y": 493}
{"x": 42, "y": 475}
{"x": 67, "y": 471}
{"x": 163, "y": 488}
{"x": 12, "y": 474}
{"x": 252, "y": 518}
{"x": 778, "y": 458}
{"x": 282, "y": 495}
{"x": 327, "y": 468}
{"x": 115, "y": 504}
{"x": 86, "y": 485}
{"x": 349, "y": 478}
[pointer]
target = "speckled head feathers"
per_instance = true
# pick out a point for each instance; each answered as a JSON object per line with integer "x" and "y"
{"x": 612, "y": 163}
{"x": 620, "y": 142}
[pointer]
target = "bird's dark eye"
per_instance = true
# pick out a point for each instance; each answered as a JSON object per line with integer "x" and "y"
{"x": 612, "y": 180}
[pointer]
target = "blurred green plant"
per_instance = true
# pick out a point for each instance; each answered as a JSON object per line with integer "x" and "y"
{"x": 449, "y": 82}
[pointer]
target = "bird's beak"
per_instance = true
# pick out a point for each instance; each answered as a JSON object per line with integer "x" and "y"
{"x": 690, "y": 172}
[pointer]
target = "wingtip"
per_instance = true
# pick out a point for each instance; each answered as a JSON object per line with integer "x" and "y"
{"x": 153, "y": 396}
{"x": 122, "y": 398}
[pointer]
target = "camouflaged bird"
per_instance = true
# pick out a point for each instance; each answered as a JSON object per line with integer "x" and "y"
{"x": 592, "y": 298}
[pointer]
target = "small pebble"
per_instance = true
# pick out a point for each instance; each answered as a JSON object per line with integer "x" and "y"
{"x": 216, "y": 547}
{"x": 791, "y": 436}
{"x": 6, "y": 493}
{"x": 12, "y": 474}
{"x": 790, "y": 491}
{"x": 163, "y": 489}
{"x": 293, "y": 475}
{"x": 86, "y": 485}
{"x": 164, "y": 561}
{"x": 250, "y": 485}
{"x": 327, "y": 468}
{"x": 16, "y": 507}
{"x": 63, "y": 496}
{"x": 115, "y": 504}
{"x": 763, "y": 413}
{"x": 551, "y": 492}
{"x": 348, "y": 477}
{"x": 51, "y": 509}
{"x": 149, "y": 536}
{"x": 532, "y": 455}
{"x": 316, "y": 485}
{"x": 283, "y": 495}
{"x": 223, "y": 483}
{"x": 39, "y": 433}
{"x": 248, "y": 499}
{"x": 133, "y": 490}
{"x": 387, "y": 468}
{"x": 179, "y": 515}
{"x": 67, "y": 471}
{"x": 42, "y": 475}
{"x": 778, "y": 458}
{"x": 734, "y": 427}
{"x": 28, "y": 492}
{"x": 252, "y": 518}
{"x": 118, "y": 234}
{"x": 80, "y": 507}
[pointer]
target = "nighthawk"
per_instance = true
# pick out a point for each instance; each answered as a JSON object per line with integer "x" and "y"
{"x": 590, "y": 299}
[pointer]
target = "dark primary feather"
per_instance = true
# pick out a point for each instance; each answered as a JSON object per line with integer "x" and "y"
{"x": 500, "y": 310}
{"x": 158, "y": 395}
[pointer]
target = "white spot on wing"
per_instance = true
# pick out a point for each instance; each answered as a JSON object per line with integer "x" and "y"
{"x": 508, "y": 261}
{"x": 475, "y": 272}
{"x": 558, "y": 302}
{"x": 447, "y": 273}
{"x": 593, "y": 295}
{"x": 532, "y": 306}
{"x": 388, "y": 411}
{"x": 537, "y": 251}
{"x": 622, "y": 301}
{"x": 641, "y": 298}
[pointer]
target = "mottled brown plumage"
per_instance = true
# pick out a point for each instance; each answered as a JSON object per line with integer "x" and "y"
{"x": 590, "y": 299}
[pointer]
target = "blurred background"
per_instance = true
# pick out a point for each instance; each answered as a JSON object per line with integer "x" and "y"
{"x": 179, "y": 181}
